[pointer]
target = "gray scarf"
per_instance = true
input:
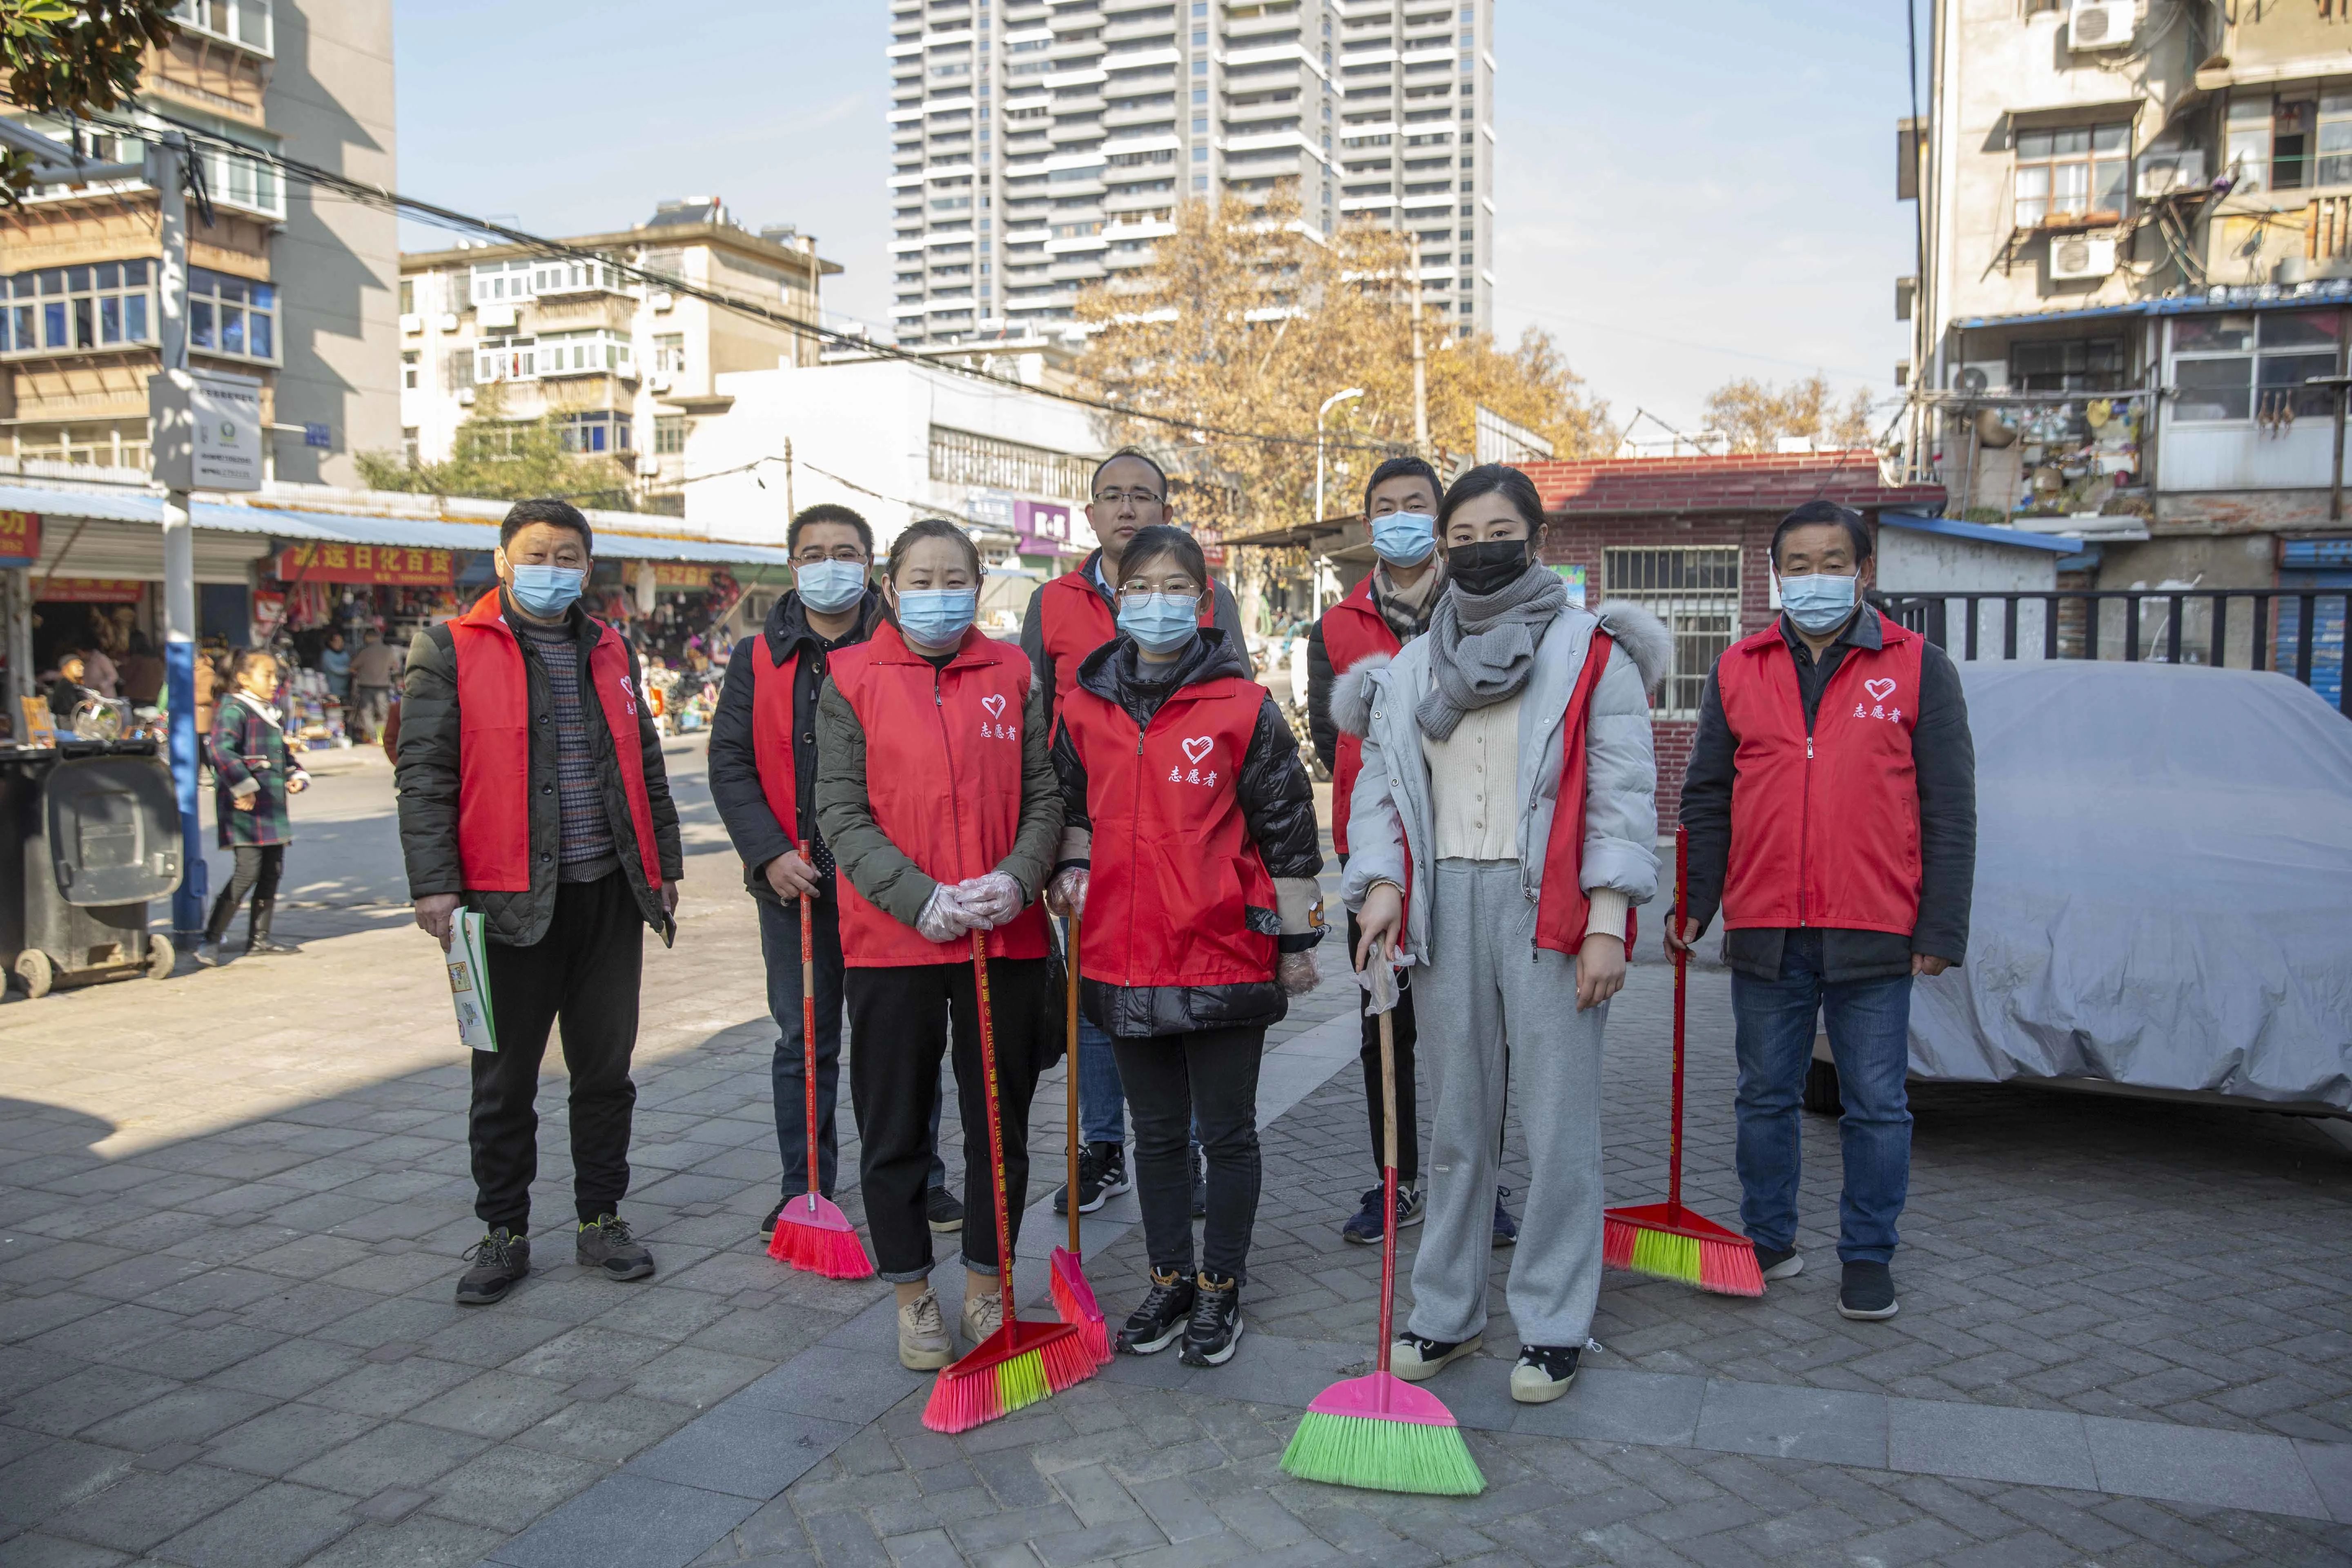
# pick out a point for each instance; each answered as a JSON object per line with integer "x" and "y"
{"x": 1482, "y": 650}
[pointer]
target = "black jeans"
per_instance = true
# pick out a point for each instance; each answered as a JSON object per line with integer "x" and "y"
{"x": 1209, "y": 1079}
{"x": 584, "y": 974}
{"x": 257, "y": 869}
{"x": 901, "y": 1019}
{"x": 1408, "y": 1137}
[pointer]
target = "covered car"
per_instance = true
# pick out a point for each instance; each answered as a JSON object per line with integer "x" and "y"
{"x": 2163, "y": 886}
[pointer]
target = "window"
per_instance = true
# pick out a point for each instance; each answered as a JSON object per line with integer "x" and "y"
{"x": 669, "y": 354}
{"x": 94, "y": 306}
{"x": 2228, "y": 368}
{"x": 408, "y": 296}
{"x": 2074, "y": 173}
{"x": 243, "y": 182}
{"x": 959, "y": 456}
{"x": 587, "y": 353}
{"x": 501, "y": 283}
{"x": 669, "y": 435}
{"x": 2094, "y": 365}
{"x": 2247, "y": 143}
{"x": 234, "y": 318}
{"x": 2291, "y": 145}
{"x": 409, "y": 360}
{"x": 408, "y": 445}
{"x": 2334, "y": 159}
{"x": 600, "y": 430}
{"x": 506, "y": 359}
{"x": 573, "y": 278}
{"x": 1696, "y": 593}
{"x": 242, "y": 22}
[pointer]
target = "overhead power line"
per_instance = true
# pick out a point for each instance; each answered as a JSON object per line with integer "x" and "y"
{"x": 449, "y": 218}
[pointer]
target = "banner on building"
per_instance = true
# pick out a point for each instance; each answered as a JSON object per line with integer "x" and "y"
{"x": 682, "y": 576}
{"x": 391, "y": 565}
{"x": 88, "y": 590}
{"x": 20, "y": 538}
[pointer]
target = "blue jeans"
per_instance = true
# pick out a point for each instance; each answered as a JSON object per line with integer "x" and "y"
{"x": 1102, "y": 1097}
{"x": 1869, "y": 1027}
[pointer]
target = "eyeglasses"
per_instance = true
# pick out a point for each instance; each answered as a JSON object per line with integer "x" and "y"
{"x": 813, "y": 556}
{"x": 1141, "y": 498}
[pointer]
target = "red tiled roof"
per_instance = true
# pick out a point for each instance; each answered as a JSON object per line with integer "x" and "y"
{"x": 1624, "y": 486}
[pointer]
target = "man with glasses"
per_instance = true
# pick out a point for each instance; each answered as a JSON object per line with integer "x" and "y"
{"x": 1068, "y": 619}
{"x": 763, "y": 781}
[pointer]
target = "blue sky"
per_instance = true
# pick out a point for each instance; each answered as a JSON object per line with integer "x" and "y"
{"x": 1686, "y": 193}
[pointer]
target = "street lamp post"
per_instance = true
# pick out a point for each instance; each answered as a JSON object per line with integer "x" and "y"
{"x": 1314, "y": 566}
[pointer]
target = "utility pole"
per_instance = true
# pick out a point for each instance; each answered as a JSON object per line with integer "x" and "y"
{"x": 790, "y": 511}
{"x": 1317, "y": 562}
{"x": 1420, "y": 372}
{"x": 166, "y": 171}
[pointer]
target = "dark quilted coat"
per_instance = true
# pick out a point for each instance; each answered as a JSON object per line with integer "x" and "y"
{"x": 428, "y": 783}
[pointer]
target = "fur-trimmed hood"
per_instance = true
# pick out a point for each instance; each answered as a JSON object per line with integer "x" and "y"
{"x": 1641, "y": 635}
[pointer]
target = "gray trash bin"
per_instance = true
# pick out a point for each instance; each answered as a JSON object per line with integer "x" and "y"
{"x": 93, "y": 835}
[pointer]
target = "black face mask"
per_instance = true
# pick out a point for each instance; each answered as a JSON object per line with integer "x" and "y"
{"x": 1486, "y": 567}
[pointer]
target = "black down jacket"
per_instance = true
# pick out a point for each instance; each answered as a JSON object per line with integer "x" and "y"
{"x": 426, "y": 780}
{"x": 1277, "y": 807}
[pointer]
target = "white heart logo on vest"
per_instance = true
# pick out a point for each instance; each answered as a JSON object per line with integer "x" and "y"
{"x": 995, "y": 703}
{"x": 1198, "y": 746}
{"x": 1880, "y": 690}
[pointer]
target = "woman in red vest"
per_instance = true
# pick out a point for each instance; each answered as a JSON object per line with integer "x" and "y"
{"x": 934, "y": 790}
{"x": 1190, "y": 858}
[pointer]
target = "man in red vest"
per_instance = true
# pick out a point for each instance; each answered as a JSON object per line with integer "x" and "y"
{"x": 763, "y": 782}
{"x": 1068, "y": 619}
{"x": 1831, "y": 804}
{"x": 531, "y": 789}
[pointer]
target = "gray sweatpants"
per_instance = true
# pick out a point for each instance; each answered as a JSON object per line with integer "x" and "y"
{"x": 1487, "y": 982}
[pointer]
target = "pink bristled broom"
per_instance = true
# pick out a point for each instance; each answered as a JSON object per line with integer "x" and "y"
{"x": 812, "y": 1234}
{"x": 1074, "y": 1298}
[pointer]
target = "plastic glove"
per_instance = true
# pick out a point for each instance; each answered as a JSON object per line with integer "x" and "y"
{"x": 944, "y": 918}
{"x": 1067, "y": 894}
{"x": 993, "y": 898}
{"x": 1296, "y": 974}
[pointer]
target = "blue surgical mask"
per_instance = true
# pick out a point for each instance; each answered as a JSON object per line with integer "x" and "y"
{"x": 1818, "y": 602}
{"x": 1159, "y": 623}
{"x": 829, "y": 585}
{"x": 1404, "y": 538}
{"x": 937, "y": 617}
{"x": 547, "y": 590}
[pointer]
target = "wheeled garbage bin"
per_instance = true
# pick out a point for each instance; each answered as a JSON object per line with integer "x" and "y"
{"x": 89, "y": 832}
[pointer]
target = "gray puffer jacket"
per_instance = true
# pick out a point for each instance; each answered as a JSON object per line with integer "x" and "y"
{"x": 1391, "y": 819}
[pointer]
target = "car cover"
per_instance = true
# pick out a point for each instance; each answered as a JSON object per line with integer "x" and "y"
{"x": 2163, "y": 885}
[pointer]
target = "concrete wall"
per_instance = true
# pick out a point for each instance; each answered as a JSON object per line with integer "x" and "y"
{"x": 336, "y": 263}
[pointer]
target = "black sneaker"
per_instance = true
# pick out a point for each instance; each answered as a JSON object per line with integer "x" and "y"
{"x": 1364, "y": 1228}
{"x": 1506, "y": 1230}
{"x": 1779, "y": 1262}
{"x": 1200, "y": 1183}
{"x": 1154, "y": 1326}
{"x": 1102, "y": 1175}
{"x": 1417, "y": 1360}
{"x": 1866, "y": 1292}
{"x": 1544, "y": 1372}
{"x": 498, "y": 1260}
{"x": 1216, "y": 1326}
{"x": 768, "y": 1225}
{"x": 608, "y": 1244}
{"x": 945, "y": 1213}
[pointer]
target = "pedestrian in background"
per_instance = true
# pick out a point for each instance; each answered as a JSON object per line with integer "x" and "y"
{"x": 927, "y": 712}
{"x": 1387, "y": 610}
{"x": 253, "y": 774}
{"x": 335, "y": 664}
{"x": 1831, "y": 804}
{"x": 532, "y": 788}
{"x": 375, "y": 670}
{"x": 1517, "y": 799}
{"x": 1069, "y": 619}
{"x": 1190, "y": 854}
{"x": 763, "y": 765}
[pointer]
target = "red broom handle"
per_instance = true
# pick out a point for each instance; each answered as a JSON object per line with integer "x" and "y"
{"x": 808, "y": 1037}
{"x": 995, "y": 1131}
{"x": 1387, "y": 1184}
{"x": 1682, "y": 971}
{"x": 1070, "y": 1061}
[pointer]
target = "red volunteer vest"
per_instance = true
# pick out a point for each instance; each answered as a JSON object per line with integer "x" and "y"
{"x": 1824, "y": 828}
{"x": 771, "y": 732}
{"x": 494, "y": 748}
{"x": 1353, "y": 631}
{"x": 1073, "y": 621}
{"x": 1564, "y": 908}
{"x": 943, "y": 780}
{"x": 1174, "y": 866}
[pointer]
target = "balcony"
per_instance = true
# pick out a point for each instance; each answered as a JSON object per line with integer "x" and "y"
{"x": 248, "y": 24}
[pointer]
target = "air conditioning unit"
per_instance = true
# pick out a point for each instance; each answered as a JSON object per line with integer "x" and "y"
{"x": 411, "y": 323}
{"x": 2170, "y": 172}
{"x": 649, "y": 466}
{"x": 497, "y": 318}
{"x": 657, "y": 381}
{"x": 2100, "y": 24}
{"x": 465, "y": 396}
{"x": 448, "y": 320}
{"x": 2075, "y": 257}
{"x": 661, "y": 298}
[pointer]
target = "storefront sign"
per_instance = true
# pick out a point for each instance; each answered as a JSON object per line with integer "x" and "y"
{"x": 682, "y": 576}
{"x": 207, "y": 430}
{"x": 89, "y": 590}
{"x": 20, "y": 538}
{"x": 395, "y": 566}
{"x": 1043, "y": 527}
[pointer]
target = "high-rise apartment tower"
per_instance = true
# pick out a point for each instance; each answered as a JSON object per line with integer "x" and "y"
{"x": 1039, "y": 145}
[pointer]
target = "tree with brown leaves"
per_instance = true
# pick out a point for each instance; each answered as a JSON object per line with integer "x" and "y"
{"x": 1757, "y": 414}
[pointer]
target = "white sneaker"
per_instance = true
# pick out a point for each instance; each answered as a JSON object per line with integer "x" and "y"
{"x": 208, "y": 954}
{"x": 983, "y": 1315}
{"x": 923, "y": 1342}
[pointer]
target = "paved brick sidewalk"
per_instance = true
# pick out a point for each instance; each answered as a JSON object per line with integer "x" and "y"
{"x": 230, "y": 1210}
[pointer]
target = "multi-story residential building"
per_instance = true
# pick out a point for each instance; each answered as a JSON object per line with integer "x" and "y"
{"x": 1038, "y": 147}
{"x": 623, "y": 366}
{"x": 293, "y": 291}
{"x": 2138, "y": 276}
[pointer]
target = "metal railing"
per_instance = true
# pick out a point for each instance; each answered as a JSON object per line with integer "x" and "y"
{"x": 2298, "y": 633}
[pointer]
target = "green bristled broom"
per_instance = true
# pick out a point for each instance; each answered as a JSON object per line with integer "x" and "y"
{"x": 1380, "y": 1433}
